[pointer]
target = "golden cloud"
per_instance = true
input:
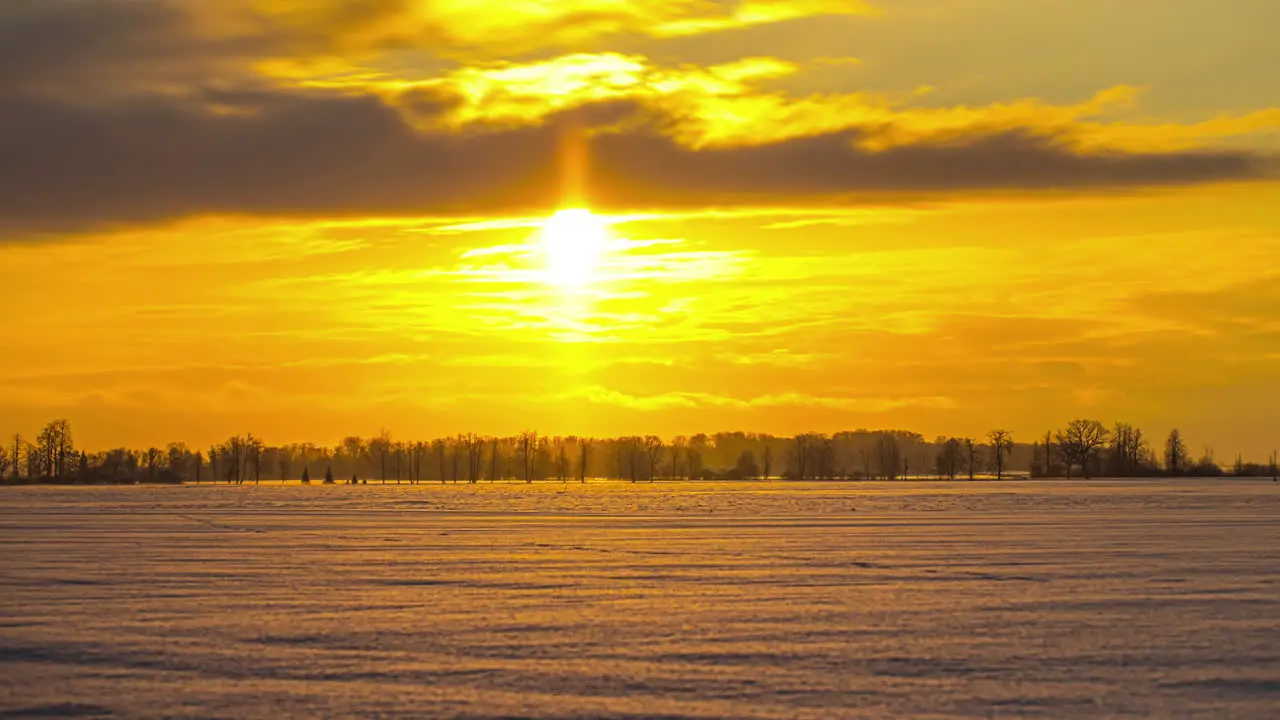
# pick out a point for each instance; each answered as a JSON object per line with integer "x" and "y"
{"x": 482, "y": 27}
{"x": 731, "y": 105}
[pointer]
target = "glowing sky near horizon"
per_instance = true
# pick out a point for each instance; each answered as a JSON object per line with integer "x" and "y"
{"x": 314, "y": 219}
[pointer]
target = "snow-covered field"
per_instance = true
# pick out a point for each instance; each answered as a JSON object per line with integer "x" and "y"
{"x": 1133, "y": 599}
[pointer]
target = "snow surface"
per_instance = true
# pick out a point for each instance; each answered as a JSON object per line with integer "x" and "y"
{"x": 716, "y": 600}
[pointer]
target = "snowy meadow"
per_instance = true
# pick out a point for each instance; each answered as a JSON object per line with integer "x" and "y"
{"x": 680, "y": 600}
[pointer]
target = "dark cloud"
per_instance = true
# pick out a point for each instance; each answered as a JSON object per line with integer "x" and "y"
{"x": 71, "y": 165}
{"x": 92, "y": 131}
{"x": 832, "y": 164}
{"x": 80, "y": 48}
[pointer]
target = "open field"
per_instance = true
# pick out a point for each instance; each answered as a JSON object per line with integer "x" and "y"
{"x": 1022, "y": 599}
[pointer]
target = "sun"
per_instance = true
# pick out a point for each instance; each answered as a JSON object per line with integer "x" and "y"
{"x": 572, "y": 243}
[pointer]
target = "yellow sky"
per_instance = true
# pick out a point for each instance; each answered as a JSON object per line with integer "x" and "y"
{"x": 313, "y": 219}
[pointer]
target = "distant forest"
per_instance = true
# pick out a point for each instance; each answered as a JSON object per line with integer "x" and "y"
{"x": 1083, "y": 448}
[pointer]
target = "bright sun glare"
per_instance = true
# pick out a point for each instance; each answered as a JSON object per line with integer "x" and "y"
{"x": 572, "y": 243}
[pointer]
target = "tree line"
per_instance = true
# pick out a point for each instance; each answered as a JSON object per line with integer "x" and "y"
{"x": 1082, "y": 448}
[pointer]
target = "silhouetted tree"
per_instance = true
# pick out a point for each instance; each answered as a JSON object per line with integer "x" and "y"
{"x": 654, "y": 447}
{"x": 4, "y": 461}
{"x": 152, "y": 458}
{"x": 380, "y": 447}
{"x": 803, "y": 443}
{"x": 888, "y": 456}
{"x": 16, "y": 457}
{"x": 1176, "y": 457}
{"x": 972, "y": 456}
{"x": 306, "y": 476}
{"x": 630, "y": 451}
{"x": 562, "y": 462}
{"x": 214, "y": 456}
{"x": 1079, "y": 442}
{"x": 677, "y": 446}
{"x": 746, "y": 466}
{"x": 284, "y": 460}
{"x": 527, "y": 441}
{"x": 254, "y": 448}
{"x": 949, "y": 457}
{"x": 1048, "y": 453}
{"x": 583, "y": 449}
{"x": 54, "y": 447}
{"x": 352, "y": 448}
{"x": 1129, "y": 454}
{"x": 1207, "y": 465}
{"x": 474, "y": 445}
{"x": 32, "y": 453}
{"x": 768, "y": 461}
{"x": 824, "y": 459}
{"x": 178, "y": 454}
{"x": 1002, "y": 447}
{"x": 232, "y": 456}
{"x": 197, "y": 461}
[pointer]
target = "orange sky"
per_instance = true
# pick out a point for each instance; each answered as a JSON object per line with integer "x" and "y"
{"x": 312, "y": 219}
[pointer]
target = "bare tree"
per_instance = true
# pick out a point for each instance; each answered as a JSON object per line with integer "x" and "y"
{"x": 888, "y": 456}
{"x": 177, "y": 456}
{"x": 584, "y": 448}
{"x": 949, "y": 457}
{"x": 254, "y": 447}
{"x": 17, "y": 453}
{"x": 1129, "y": 451}
{"x": 678, "y": 445}
{"x": 630, "y": 451}
{"x": 1176, "y": 457}
{"x": 1002, "y": 446}
{"x": 1079, "y": 443}
{"x": 4, "y": 461}
{"x": 562, "y": 460}
{"x": 972, "y": 456}
{"x": 55, "y": 448}
{"x": 767, "y": 456}
{"x": 152, "y": 459}
{"x": 653, "y": 447}
{"x": 353, "y": 449}
{"x": 456, "y": 456}
{"x": 284, "y": 462}
{"x": 475, "y": 456}
{"x": 32, "y": 454}
{"x": 824, "y": 457}
{"x": 528, "y": 441}
{"x": 231, "y": 455}
{"x": 803, "y": 442}
{"x": 1048, "y": 453}
{"x": 380, "y": 448}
